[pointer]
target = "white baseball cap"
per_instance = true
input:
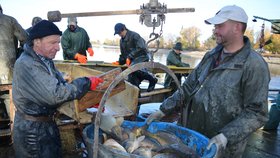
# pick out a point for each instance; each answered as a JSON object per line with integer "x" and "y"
{"x": 231, "y": 12}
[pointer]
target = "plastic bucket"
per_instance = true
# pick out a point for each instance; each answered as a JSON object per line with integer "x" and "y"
{"x": 191, "y": 138}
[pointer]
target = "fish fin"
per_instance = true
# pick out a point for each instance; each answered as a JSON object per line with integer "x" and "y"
{"x": 140, "y": 139}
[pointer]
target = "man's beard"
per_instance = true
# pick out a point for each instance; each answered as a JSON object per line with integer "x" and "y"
{"x": 220, "y": 40}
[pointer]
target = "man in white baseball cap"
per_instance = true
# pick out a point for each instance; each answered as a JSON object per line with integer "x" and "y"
{"x": 225, "y": 96}
{"x": 234, "y": 48}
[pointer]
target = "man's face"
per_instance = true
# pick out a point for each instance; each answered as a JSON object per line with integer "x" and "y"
{"x": 72, "y": 27}
{"x": 122, "y": 34}
{"x": 47, "y": 46}
{"x": 224, "y": 32}
{"x": 177, "y": 51}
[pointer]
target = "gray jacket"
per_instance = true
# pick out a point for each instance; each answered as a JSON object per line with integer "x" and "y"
{"x": 39, "y": 91}
{"x": 231, "y": 98}
{"x": 11, "y": 32}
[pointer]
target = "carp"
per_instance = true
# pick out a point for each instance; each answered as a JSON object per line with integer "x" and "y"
{"x": 181, "y": 150}
{"x": 114, "y": 144}
{"x": 132, "y": 144}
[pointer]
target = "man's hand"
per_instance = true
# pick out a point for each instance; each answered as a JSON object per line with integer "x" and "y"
{"x": 81, "y": 58}
{"x": 94, "y": 82}
{"x": 90, "y": 51}
{"x": 128, "y": 62}
{"x": 155, "y": 116}
{"x": 66, "y": 77}
{"x": 220, "y": 141}
{"x": 116, "y": 63}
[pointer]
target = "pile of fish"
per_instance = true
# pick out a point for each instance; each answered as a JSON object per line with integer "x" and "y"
{"x": 139, "y": 141}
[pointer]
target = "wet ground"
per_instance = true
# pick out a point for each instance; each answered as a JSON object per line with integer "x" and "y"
{"x": 263, "y": 144}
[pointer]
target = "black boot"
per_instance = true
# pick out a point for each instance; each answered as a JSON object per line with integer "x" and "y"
{"x": 152, "y": 84}
{"x": 146, "y": 75}
{"x": 132, "y": 78}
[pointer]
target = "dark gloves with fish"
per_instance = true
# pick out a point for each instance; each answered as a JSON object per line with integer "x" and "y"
{"x": 81, "y": 58}
{"x": 94, "y": 82}
{"x": 155, "y": 116}
{"x": 220, "y": 141}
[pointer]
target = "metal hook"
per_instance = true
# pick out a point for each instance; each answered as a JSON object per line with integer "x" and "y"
{"x": 156, "y": 36}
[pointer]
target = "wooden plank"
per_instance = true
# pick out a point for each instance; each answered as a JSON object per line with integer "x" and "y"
{"x": 5, "y": 87}
{"x": 76, "y": 71}
{"x": 271, "y": 55}
{"x": 155, "y": 92}
{"x": 94, "y": 97}
{"x": 12, "y": 111}
{"x": 98, "y": 65}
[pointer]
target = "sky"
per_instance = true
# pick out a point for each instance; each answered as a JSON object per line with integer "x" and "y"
{"x": 102, "y": 27}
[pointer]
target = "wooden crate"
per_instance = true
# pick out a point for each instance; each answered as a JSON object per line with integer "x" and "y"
{"x": 77, "y": 109}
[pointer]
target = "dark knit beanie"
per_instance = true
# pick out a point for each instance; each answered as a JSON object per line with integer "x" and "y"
{"x": 42, "y": 29}
{"x": 178, "y": 46}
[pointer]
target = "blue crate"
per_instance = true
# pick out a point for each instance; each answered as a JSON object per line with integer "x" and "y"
{"x": 191, "y": 138}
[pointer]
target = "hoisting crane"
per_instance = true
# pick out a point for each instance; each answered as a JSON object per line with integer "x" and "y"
{"x": 152, "y": 9}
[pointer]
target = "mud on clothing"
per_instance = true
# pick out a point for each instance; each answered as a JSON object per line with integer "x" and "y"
{"x": 230, "y": 98}
{"x": 38, "y": 90}
{"x": 134, "y": 47}
{"x": 11, "y": 32}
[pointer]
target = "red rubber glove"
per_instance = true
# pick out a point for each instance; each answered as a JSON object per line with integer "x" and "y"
{"x": 81, "y": 58}
{"x": 90, "y": 51}
{"x": 128, "y": 62}
{"x": 94, "y": 82}
{"x": 116, "y": 63}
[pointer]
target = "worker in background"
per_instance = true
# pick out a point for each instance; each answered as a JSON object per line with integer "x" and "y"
{"x": 38, "y": 90}
{"x": 35, "y": 20}
{"x": 174, "y": 58}
{"x": 75, "y": 42}
{"x": 12, "y": 34}
{"x": 225, "y": 96}
{"x": 134, "y": 50}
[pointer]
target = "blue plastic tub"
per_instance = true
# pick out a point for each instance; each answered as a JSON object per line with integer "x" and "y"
{"x": 191, "y": 138}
